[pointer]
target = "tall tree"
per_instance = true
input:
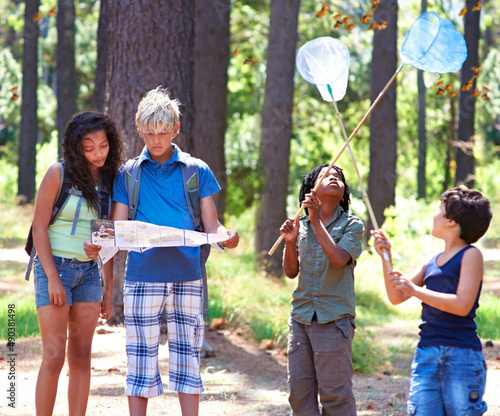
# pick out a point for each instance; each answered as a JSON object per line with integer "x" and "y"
{"x": 150, "y": 43}
{"x": 211, "y": 58}
{"x": 467, "y": 104}
{"x": 65, "y": 66}
{"x": 383, "y": 121}
{"x": 102, "y": 53}
{"x": 29, "y": 129}
{"x": 276, "y": 128}
{"x": 422, "y": 133}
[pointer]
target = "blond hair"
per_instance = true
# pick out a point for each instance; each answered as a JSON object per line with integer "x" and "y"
{"x": 157, "y": 112}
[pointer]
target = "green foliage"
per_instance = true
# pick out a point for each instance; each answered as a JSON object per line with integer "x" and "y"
{"x": 488, "y": 317}
{"x": 367, "y": 355}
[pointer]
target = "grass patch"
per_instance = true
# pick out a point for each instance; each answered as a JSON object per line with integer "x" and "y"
{"x": 26, "y": 320}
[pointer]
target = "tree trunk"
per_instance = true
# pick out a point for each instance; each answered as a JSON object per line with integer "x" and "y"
{"x": 466, "y": 113}
{"x": 276, "y": 128}
{"x": 29, "y": 126}
{"x": 102, "y": 55}
{"x": 150, "y": 43}
{"x": 65, "y": 66}
{"x": 211, "y": 58}
{"x": 383, "y": 122}
{"x": 422, "y": 134}
{"x": 452, "y": 134}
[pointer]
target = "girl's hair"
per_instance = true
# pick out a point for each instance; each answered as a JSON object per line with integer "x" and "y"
{"x": 77, "y": 165}
{"x": 310, "y": 179}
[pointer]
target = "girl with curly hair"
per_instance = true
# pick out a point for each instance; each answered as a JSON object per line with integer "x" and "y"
{"x": 321, "y": 248}
{"x": 69, "y": 294}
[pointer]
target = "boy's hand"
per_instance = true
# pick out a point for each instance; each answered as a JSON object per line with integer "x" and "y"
{"x": 313, "y": 205}
{"x": 381, "y": 242}
{"x": 400, "y": 282}
{"x": 91, "y": 250}
{"x": 291, "y": 230}
{"x": 233, "y": 240}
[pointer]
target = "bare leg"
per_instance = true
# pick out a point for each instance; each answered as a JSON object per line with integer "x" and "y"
{"x": 137, "y": 406}
{"x": 190, "y": 404}
{"x": 53, "y": 323}
{"x": 82, "y": 322}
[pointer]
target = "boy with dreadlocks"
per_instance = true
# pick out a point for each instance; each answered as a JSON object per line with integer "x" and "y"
{"x": 323, "y": 246}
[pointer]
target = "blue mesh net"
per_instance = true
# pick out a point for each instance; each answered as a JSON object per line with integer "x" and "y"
{"x": 434, "y": 45}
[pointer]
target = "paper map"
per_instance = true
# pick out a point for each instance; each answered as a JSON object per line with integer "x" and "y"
{"x": 140, "y": 236}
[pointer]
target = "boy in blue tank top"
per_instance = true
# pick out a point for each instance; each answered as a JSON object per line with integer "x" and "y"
{"x": 448, "y": 371}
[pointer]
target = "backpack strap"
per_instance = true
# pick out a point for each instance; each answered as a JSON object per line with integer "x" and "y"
{"x": 62, "y": 196}
{"x": 133, "y": 176}
{"x": 191, "y": 181}
{"x": 104, "y": 201}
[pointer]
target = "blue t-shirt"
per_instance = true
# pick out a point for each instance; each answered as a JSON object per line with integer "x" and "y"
{"x": 443, "y": 328}
{"x": 162, "y": 202}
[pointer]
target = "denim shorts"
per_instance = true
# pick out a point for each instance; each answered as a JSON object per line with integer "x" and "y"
{"x": 447, "y": 381}
{"x": 81, "y": 279}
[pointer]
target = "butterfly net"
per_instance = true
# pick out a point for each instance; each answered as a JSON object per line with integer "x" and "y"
{"x": 325, "y": 62}
{"x": 434, "y": 45}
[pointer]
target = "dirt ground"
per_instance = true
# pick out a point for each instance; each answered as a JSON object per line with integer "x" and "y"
{"x": 241, "y": 379}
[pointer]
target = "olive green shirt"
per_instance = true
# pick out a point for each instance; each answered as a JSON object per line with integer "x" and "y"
{"x": 322, "y": 288}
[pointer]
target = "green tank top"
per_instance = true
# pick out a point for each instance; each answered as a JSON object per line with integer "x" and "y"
{"x": 66, "y": 238}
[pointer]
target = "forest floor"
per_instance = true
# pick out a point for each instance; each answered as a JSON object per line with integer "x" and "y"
{"x": 241, "y": 379}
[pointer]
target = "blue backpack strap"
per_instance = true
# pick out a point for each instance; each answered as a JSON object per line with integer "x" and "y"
{"x": 191, "y": 181}
{"x": 133, "y": 176}
{"x": 62, "y": 196}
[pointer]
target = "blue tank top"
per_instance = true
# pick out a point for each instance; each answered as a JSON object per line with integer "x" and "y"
{"x": 443, "y": 328}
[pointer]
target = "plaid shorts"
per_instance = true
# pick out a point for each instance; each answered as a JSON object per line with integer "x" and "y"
{"x": 143, "y": 307}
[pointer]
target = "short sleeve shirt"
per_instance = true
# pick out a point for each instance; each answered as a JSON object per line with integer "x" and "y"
{"x": 162, "y": 202}
{"x": 322, "y": 288}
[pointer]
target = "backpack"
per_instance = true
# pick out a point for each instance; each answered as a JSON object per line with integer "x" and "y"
{"x": 191, "y": 182}
{"x": 65, "y": 191}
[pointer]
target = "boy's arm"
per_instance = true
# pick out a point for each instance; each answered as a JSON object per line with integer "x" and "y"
{"x": 460, "y": 303}
{"x": 211, "y": 222}
{"x": 395, "y": 295}
{"x": 290, "y": 255}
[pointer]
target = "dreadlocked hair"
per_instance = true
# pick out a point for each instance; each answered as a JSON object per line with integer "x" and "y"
{"x": 310, "y": 179}
{"x": 77, "y": 165}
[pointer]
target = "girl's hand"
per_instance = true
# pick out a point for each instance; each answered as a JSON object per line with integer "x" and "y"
{"x": 57, "y": 293}
{"x": 107, "y": 305}
{"x": 91, "y": 250}
{"x": 381, "y": 242}
{"x": 291, "y": 230}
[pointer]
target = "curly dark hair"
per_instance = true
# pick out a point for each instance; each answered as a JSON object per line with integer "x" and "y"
{"x": 77, "y": 128}
{"x": 310, "y": 179}
{"x": 469, "y": 209}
